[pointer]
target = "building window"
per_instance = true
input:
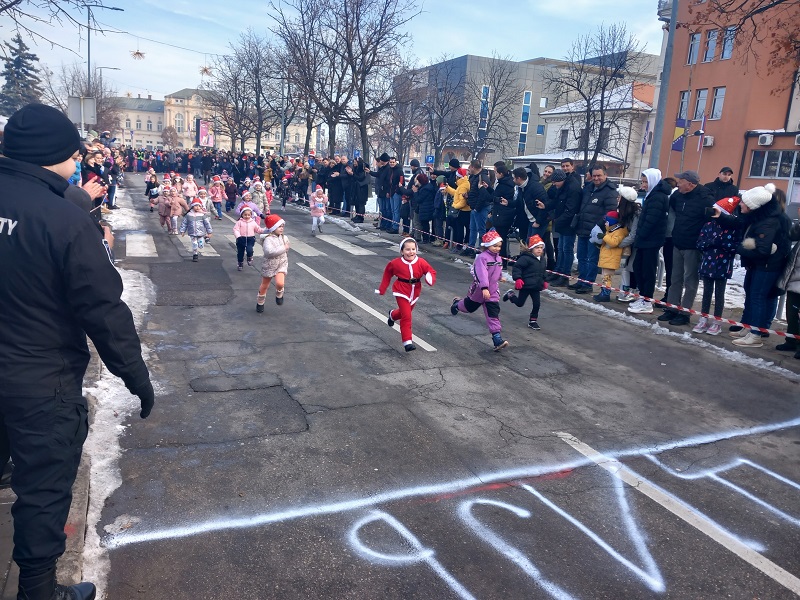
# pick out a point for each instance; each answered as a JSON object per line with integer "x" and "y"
{"x": 179, "y": 123}
{"x": 605, "y": 135}
{"x": 127, "y": 123}
{"x": 149, "y": 125}
{"x": 526, "y": 98}
{"x": 523, "y": 128}
{"x": 562, "y": 142}
{"x": 727, "y": 43}
{"x": 700, "y": 104}
{"x": 540, "y": 130}
{"x": 583, "y": 139}
{"x": 711, "y": 45}
{"x": 542, "y": 102}
{"x": 160, "y": 126}
{"x": 296, "y": 138}
{"x": 694, "y": 48}
{"x": 520, "y": 149}
{"x": 717, "y": 102}
{"x": 524, "y": 120}
{"x": 484, "y": 114}
{"x": 683, "y": 107}
{"x": 775, "y": 164}
{"x": 138, "y": 123}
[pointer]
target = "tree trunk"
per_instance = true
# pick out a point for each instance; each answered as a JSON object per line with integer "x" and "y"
{"x": 332, "y": 138}
{"x": 362, "y": 128}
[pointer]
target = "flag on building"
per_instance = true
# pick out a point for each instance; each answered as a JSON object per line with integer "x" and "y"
{"x": 646, "y": 134}
{"x": 702, "y": 133}
{"x": 680, "y": 134}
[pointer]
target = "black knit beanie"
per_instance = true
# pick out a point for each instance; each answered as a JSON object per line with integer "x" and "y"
{"x": 41, "y": 135}
{"x": 454, "y": 162}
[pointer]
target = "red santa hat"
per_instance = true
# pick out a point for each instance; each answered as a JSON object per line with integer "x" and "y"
{"x": 216, "y": 178}
{"x": 535, "y": 240}
{"x": 490, "y": 238}
{"x": 202, "y": 189}
{"x": 728, "y": 205}
{"x": 272, "y": 222}
{"x": 256, "y": 178}
{"x": 462, "y": 172}
{"x": 319, "y": 187}
{"x": 196, "y": 202}
{"x": 245, "y": 193}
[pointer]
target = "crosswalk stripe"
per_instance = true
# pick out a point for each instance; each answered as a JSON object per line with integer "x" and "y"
{"x": 140, "y": 244}
{"x": 296, "y": 245}
{"x": 374, "y": 239}
{"x": 346, "y": 246}
{"x": 187, "y": 243}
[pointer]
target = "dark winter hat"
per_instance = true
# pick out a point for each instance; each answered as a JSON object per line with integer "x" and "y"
{"x": 384, "y": 157}
{"x": 440, "y": 179}
{"x": 726, "y": 170}
{"x": 41, "y": 135}
{"x": 558, "y": 175}
{"x": 454, "y": 162}
{"x": 414, "y": 162}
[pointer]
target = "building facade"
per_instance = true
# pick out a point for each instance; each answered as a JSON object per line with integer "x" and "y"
{"x": 140, "y": 123}
{"x": 751, "y": 112}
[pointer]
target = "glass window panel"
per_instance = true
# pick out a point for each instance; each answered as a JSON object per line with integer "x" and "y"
{"x": 700, "y": 104}
{"x": 694, "y": 47}
{"x": 542, "y": 102}
{"x": 711, "y": 45}
{"x": 796, "y": 164}
{"x": 757, "y": 166}
{"x": 563, "y": 141}
{"x": 727, "y": 43}
{"x": 521, "y": 149}
{"x": 523, "y": 128}
{"x": 527, "y": 99}
{"x": 785, "y": 166}
{"x": 716, "y": 105}
{"x": 683, "y": 107}
{"x": 540, "y": 130}
{"x": 523, "y": 138}
{"x": 771, "y": 166}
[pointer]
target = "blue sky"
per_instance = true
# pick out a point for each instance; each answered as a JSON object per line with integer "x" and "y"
{"x": 523, "y": 29}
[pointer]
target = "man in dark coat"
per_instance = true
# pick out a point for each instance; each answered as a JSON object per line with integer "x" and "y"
{"x": 723, "y": 186}
{"x": 57, "y": 285}
{"x": 380, "y": 174}
{"x": 599, "y": 198}
{"x": 479, "y": 199}
{"x": 504, "y": 206}
{"x": 567, "y": 201}
{"x": 689, "y": 202}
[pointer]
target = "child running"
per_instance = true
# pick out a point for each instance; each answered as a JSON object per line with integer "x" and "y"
{"x": 409, "y": 271}
{"x": 152, "y": 190}
{"x": 485, "y": 289}
{"x": 245, "y": 231}
{"x": 164, "y": 208}
{"x": 319, "y": 203}
{"x": 198, "y": 226}
{"x": 528, "y": 272}
{"x": 276, "y": 261}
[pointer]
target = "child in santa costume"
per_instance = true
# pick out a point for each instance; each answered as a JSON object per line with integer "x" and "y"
{"x": 276, "y": 261}
{"x": 528, "y": 272}
{"x": 409, "y": 270}
{"x": 485, "y": 289}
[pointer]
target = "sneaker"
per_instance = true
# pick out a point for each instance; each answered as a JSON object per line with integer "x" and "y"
{"x": 509, "y": 294}
{"x": 151, "y": 209}
{"x": 534, "y": 325}
{"x": 584, "y": 289}
{"x": 454, "y": 306}
{"x": 738, "y": 333}
{"x": 409, "y": 347}
{"x": 390, "y": 320}
{"x": 714, "y": 328}
{"x": 680, "y": 319}
{"x": 749, "y": 340}
{"x": 194, "y": 258}
{"x": 642, "y": 307}
{"x": 278, "y": 299}
{"x": 319, "y": 227}
{"x": 250, "y": 262}
{"x": 499, "y": 346}
{"x": 702, "y": 326}
{"x": 241, "y": 266}
{"x": 626, "y": 297}
{"x": 437, "y": 243}
{"x": 601, "y": 297}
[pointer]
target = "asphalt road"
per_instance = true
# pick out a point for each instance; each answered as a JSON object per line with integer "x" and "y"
{"x": 301, "y": 453}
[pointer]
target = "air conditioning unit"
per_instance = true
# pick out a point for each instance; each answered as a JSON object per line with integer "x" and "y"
{"x": 765, "y": 139}
{"x": 708, "y": 141}
{"x": 797, "y": 140}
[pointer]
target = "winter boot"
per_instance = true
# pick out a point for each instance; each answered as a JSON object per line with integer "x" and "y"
{"x": 454, "y": 306}
{"x": 390, "y": 320}
{"x": 279, "y": 296}
{"x": 260, "y": 302}
{"x": 241, "y": 266}
{"x": 788, "y": 346}
{"x": 194, "y": 257}
{"x": 499, "y": 342}
{"x": 44, "y": 587}
{"x": 409, "y": 346}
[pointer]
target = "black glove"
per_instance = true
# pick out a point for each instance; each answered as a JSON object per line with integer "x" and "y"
{"x": 148, "y": 398}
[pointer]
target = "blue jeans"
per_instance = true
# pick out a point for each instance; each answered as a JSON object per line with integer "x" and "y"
{"x": 758, "y": 306}
{"x": 385, "y": 208}
{"x": 566, "y": 254}
{"x": 477, "y": 225}
{"x": 588, "y": 255}
{"x": 396, "y": 201}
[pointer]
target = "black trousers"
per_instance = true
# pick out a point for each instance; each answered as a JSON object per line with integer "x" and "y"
{"x": 645, "y": 266}
{"x": 667, "y": 263}
{"x": 520, "y": 296}
{"x": 44, "y": 436}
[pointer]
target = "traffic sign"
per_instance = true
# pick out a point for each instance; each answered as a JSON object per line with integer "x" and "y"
{"x": 356, "y": 153}
{"x": 430, "y": 159}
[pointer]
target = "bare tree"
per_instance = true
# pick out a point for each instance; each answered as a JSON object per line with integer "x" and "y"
{"x": 401, "y": 126}
{"x": 33, "y": 16}
{"x": 229, "y": 95}
{"x": 598, "y": 84}
{"x": 762, "y": 27}
{"x": 71, "y": 80}
{"x": 491, "y": 101}
{"x": 169, "y": 135}
{"x": 443, "y": 104}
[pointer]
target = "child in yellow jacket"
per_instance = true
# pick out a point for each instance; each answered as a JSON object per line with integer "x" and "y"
{"x": 458, "y": 216}
{"x": 610, "y": 253}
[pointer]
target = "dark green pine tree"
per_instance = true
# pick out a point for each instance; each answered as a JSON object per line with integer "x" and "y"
{"x": 21, "y": 77}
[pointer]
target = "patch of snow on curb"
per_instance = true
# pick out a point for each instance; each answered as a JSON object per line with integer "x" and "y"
{"x": 114, "y": 405}
{"x": 686, "y": 337}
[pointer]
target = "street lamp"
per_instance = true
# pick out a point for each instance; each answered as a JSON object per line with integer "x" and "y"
{"x": 89, "y": 40}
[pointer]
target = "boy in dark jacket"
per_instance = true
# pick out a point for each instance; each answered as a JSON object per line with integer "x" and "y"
{"x": 528, "y": 272}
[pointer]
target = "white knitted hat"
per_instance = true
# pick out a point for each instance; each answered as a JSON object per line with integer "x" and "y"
{"x": 758, "y": 196}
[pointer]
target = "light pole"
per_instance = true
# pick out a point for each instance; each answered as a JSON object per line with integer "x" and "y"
{"x": 89, "y": 41}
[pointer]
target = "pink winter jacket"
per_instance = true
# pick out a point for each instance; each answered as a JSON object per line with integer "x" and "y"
{"x": 316, "y": 210}
{"x": 247, "y": 228}
{"x": 178, "y": 206}
{"x": 217, "y": 193}
{"x": 190, "y": 189}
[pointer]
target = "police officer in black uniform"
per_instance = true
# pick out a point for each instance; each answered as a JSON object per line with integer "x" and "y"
{"x": 57, "y": 285}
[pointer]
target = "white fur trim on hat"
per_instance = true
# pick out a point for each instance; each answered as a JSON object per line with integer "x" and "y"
{"x": 407, "y": 239}
{"x": 628, "y": 193}
{"x": 758, "y": 196}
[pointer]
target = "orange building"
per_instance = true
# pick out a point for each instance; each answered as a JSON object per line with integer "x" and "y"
{"x": 752, "y": 116}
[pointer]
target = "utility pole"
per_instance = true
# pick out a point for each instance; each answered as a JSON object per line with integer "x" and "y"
{"x": 661, "y": 109}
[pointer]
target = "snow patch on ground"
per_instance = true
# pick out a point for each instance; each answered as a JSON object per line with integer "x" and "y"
{"x": 686, "y": 337}
{"x": 125, "y": 217}
{"x": 115, "y": 405}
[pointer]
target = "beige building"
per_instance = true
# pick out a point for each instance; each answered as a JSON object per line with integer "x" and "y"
{"x": 140, "y": 123}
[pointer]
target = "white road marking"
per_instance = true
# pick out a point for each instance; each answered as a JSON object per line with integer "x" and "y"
{"x": 208, "y": 250}
{"x": 685, "y": 512}
{"x": 346, "y": 246}
{"x": 140, "y": 244}
{"x": 303, "y": 249}
{"x": 380, "y": 316}
{"x": 374, "y": 239}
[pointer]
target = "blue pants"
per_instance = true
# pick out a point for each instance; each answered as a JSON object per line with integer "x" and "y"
{"x": 759, "y": 308}
{"x": 477, "y": 225}
{"x": 588, "y": 255}
{"x": 218, "y": 206}
{"x": 566, "y": 254}
{"x": 242, "y": 244}
{"x": 395, "y": 203}
{"x": 385, "y": 208}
